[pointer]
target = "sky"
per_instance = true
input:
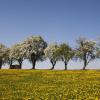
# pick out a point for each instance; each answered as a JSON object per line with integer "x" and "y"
{"x": 55, "y": 20}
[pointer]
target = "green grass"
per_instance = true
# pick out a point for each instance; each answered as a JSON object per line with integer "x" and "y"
{"x": 49, "y": 85}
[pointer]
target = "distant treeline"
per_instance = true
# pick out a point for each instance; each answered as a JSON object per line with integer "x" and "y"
{"x": 35, "y": 48}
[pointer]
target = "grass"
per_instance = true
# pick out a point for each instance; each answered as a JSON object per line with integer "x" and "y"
{"x": 49, "y": 85}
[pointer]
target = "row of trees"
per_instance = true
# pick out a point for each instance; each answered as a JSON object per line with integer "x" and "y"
{"x": 35, "y": 49}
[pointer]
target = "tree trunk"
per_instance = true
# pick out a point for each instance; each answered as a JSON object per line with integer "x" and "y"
{"x": 33, "y": 63}
{"x": 10, "y": 63}
{"x": 20, "y": 63}
{"x": 85, "y": 62}
{"x": 65, "y": 65}
{"x": 0, "y": 64}
{"x": 53, "y": 63}
{"x": 33, "y": 59}
{"x": 52, "y": 66}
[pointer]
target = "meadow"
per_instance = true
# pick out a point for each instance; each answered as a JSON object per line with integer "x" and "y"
{"x": 49, "y": 85}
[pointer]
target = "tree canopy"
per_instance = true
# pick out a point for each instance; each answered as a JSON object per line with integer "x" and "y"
{"x": 17, "y": 54}
{"x": 51, "y": 52}
{"x": 3, "y": 54}
{"x": 65, "y": 53}
{"x": 85, "y": 51}
{"x": 34, "y": 49}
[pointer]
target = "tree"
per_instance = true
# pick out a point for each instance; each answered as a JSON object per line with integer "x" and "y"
{"x": 51, "y": 53}
{"x": 65, "y": 53}
{"x": 98, "y": 49}
{"x": 34, "y": 49}
{"x": 85, "y": 51}
{"x": 16, "y": 54}
{"x": 3, "y": 54}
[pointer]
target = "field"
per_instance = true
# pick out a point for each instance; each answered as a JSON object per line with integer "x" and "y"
{"x": 49, "y": 85}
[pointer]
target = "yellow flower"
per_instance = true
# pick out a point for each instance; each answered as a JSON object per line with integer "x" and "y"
{"x": 96, "y": 98}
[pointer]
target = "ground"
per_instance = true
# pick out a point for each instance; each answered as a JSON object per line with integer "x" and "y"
{"x": 49, "y": 85}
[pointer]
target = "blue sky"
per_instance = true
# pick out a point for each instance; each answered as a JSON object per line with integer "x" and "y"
{"x": 55, "y": 20}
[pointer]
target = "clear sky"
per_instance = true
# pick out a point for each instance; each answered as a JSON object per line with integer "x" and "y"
{"x": 55, "y": 20}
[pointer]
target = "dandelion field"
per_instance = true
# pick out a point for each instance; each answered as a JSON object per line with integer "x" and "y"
{"x": 49, "y": 85}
